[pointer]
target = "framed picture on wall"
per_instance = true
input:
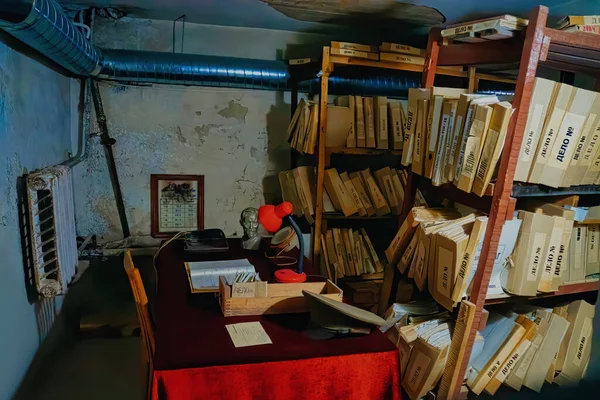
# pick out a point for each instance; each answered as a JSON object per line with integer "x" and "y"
{"x": 177, "y": 204}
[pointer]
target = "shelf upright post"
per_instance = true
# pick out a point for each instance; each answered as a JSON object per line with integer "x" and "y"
{"x": 293, "y": 106}
{"x": 473, "y": 81}
{"x": 501, "y": 201}
{"x": 431, "y": 60}
{"x": 326, "y": 69}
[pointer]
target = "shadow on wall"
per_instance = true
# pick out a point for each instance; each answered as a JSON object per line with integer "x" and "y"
{"x": 278, "y": 150}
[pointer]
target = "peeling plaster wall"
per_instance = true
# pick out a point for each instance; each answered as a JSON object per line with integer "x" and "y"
{"x": 236, "y": 138}
{"x": 34, "y": 133}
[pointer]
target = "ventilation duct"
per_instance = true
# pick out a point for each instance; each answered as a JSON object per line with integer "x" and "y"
{"x": 192, "y": 69}
{"x": 50, "y": 31}
{"x": 44, "y": 26}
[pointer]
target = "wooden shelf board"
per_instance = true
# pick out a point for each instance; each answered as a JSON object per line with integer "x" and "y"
{"x": 451, "y": 192}
{"x": 363, "y": 277}
{"x": 363, "y": 62}
{"x": 494, "y": 78}
{"x": 577, "y": 41}
{"x": 569, "y": 288}
{"x": 339, "y": 216}
{"x": 361, "y": 151}
{"x": 521, "y": 189}
{"x": 572, "y": 51}
{"x": 505, "y": 51}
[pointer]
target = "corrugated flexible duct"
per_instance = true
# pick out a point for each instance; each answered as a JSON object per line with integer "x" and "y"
{"x": 193, "y": 69}
{"x": 50, "y": 31}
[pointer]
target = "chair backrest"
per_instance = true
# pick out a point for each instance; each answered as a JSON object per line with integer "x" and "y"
{"x": 141, "y": 302}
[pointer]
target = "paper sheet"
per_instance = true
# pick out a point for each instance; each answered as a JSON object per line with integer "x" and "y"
{"x": 248, "y": 334}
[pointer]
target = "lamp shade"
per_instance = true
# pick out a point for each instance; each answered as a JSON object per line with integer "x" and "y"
{"x": 271, "y": 216}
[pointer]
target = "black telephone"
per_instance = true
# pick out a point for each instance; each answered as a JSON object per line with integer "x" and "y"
{"x": 206, "y": 241}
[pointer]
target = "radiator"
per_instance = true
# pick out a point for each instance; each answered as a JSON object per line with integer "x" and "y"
{"x": 52, "y": 229}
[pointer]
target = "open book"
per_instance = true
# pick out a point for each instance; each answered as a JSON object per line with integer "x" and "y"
{"x": 204, "y": 275}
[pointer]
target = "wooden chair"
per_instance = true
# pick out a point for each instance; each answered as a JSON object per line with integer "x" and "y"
{"x": 143, "y": 311}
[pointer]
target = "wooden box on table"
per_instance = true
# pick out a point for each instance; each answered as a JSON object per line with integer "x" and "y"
{"x": 281, "y": 298}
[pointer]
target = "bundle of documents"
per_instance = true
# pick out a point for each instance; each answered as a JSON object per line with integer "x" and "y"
{"x": 562, "y": 136}
{"x": 204, "y": 276}
{"x": 406, "y": 312}
{"x": 298, "y": 187}
{"x": 354, "y": 121}
{"x": 376, "y": 122}
{"x": 527, "y": 349}
{"x": 551, "y": 250}
{"x": 439, "y": 250}
{"x": 354, "y": 50}
{"x": 401, "y": 53}
{"x": 580, "y": 23}
{"x": 364, "y": 193}
{"x": 505, "y": 339}
{"x": 423, "y": 350}
{"x": 302, "y": 130}
{"x": 584, "y": 258}
{"x": 455, "y": 137}
{"x": 349, "y": 252}
{"x": 494, "y": 28}
{"x": 417, "y": 216}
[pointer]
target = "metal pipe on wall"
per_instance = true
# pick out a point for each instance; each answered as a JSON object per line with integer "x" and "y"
{"x": 108, "y": 142}
{"x": 85, "y": 100}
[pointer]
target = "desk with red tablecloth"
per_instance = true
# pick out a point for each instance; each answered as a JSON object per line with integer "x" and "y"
{"x": 196, "y": 359}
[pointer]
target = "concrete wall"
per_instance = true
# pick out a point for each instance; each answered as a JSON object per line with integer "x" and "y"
{"x": 34, "y": 133}
{"x": 236, "y": 138}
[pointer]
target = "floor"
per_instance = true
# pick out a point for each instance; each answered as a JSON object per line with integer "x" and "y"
{"x": 100, "y": 356}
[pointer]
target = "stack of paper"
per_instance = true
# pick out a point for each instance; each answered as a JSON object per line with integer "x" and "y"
{"x": 204, "y": 275}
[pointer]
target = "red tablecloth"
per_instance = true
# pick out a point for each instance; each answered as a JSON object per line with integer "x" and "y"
{"x": 196, "y": 359}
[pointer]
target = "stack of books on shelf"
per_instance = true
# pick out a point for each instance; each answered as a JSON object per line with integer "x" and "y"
{"x": 303, "y": 128}
{"x": 540, "y": 249}
{"x": 454, "y": 137}
{"x": 375, "y": 122}
{"x": 365, "y": 193}
{"x": 349, "y": 252}
{"x": 402, "y": 53}
{"x": 494, "y": 28}
{"x": 580, "y": 23}
{"x": 561, "y": 144}
{"x": 353, "y": 121}
{"x": 403, "y": 314}
{"x": 298, "y": 187}
{"x": 551, "y": 249}
{"x": 423, "y": 338}
{"x": 527, "y": 349}
{"x": 438, "y": 251}
{"x": 540, "y": 255}
{"x": 387, "y": 51}
{"x": 357, "y": 50}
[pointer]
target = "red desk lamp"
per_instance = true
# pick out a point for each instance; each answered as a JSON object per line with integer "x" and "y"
{"x": 271, "y": 218}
